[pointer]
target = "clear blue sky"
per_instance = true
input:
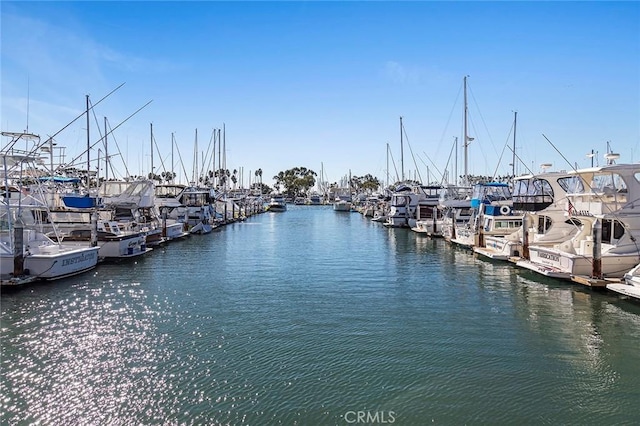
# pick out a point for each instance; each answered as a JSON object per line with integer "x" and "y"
{"x": 305, "y": 83}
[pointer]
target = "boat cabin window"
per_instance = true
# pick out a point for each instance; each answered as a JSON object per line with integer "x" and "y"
{"x": 573, "y": 221}
{"x": 136, "y": 189}
{"x": 168, "y": 191}
{"x": 491, "y": 192}
{"x": 114, "y": 188}
{"x": 532, "y": 193}
{"x": 608, "y": 184}
{"x": 508, "y": 224}
{"x": 612, "y": 231}
{"x": 432, "y": 192}
{"x": 572, "y": 184}
{"x": 544, "y": 224}
{"x": 123, "y": 213}
{"x": 399, "y": 201}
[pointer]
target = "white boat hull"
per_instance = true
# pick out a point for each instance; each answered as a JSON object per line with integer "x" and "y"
{"x": 175, "y": 231}
{"x": 123, "y": 247}
{"x": 625, "y": 289}
{"x": 342, "y": 207}
{"x": 555, "y": 263}
{"x": 61, "y": 261}
{"x": 54, "y": 261}
{"x": 499, "y": 248}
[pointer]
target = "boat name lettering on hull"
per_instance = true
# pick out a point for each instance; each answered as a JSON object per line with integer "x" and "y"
{"x": 549, "y": 256}
{"x": 78, "y": 259}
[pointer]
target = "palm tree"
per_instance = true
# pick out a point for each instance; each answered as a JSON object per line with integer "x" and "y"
{"x": 259, "y": 174}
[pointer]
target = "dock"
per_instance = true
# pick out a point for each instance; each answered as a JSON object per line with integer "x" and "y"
{"x": 594, "y": 282}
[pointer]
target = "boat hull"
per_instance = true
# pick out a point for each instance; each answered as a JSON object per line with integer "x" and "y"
{"x": 55, "y": 261}
{"x": 61, "y": 262}
{"x": 625, "y": 290}
{"x": 277, "y": 208}
{"x": 555, "y": 263}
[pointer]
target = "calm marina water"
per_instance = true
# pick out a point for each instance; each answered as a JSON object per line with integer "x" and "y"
{"x": 316, "y": 317}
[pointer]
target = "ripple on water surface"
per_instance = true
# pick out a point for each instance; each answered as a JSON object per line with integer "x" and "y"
{"x": 303, "y": 316}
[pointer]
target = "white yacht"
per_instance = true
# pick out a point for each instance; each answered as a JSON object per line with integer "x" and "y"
{"x": 542, "y": 198}
{"x": 601, "y": 202}
{"x": 342, "y": 202}
{"x": 455, "y": 203}
{"x": 26, "y": 250}
{"x": 277, "y": 204}
{"x": 26, "y": 253}
{"x": 405, "y": 201}
{"x": 492, "y": 214}
{"x": 200, "y": 209}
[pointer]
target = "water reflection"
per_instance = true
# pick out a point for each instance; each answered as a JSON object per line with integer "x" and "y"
{"x": 84, "y": 354}
{"x": 301, "y": 316}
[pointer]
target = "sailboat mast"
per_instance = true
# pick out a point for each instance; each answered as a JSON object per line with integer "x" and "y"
{"x": 387, "y": 185}
{"x": 195, "y": 161}
{"x": 106, "y": 152}
{"x": 455, "y": 176}
{"x": 172, "y": 178}
{"x": 88, "y": 146}
{"x": 513, "y": 163}
{"x": 466, "y": 137}
{"x": 401, "y": 152}
{"x": 219, "y": 155}
{"x": 151, "y": 141}
{"x": 215, "y": 135}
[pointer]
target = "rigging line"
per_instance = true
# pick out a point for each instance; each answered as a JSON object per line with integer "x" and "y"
{"x": 598, "y": 196}
{"x": 495, "y": 172}
{"x": 427, "y": 166}
{"x": 153, "y": 140}
{"x": 526, "y": 166}
{"x": 84, "y": 112}
{"x": 433, "y": 164}
{"x": 453, "y": 147}
{"x": 95, "y": 118}
{"x": 126, "y": 169}
{"x": 411, "y": 150}
{"x": 561, "y": 155}
{"x": 453, "y": 108}
{"x": 394, "y": 164}
{"x": 206, "y": 158}
{"x": 576, "y": 171}
{"x": 482, "y": 119}
{"x": 184, "y": 170}
{"x": 112, "y": 130}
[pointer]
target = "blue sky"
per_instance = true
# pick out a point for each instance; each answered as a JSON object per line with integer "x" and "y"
{"x": 311, "y": 83}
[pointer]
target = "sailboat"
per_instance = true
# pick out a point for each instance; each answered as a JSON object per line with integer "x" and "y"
{"x": 456, "y": 199}
{"x": 199, "y": 202}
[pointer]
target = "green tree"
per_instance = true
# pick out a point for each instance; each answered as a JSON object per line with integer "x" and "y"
{"x": 258, "y": 187}
{"x": 234, "y": 178}
{"x": 367, "y": 183}
{"x": 296, "y": 182}
{"x": 258, "y": 174}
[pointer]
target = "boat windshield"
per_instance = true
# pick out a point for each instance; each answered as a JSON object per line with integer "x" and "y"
{"x": 571, "y": 185}
{"x": 608, "y": 183}
{"x": 490, "y": 193}
{"x": 532, "y": 190}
